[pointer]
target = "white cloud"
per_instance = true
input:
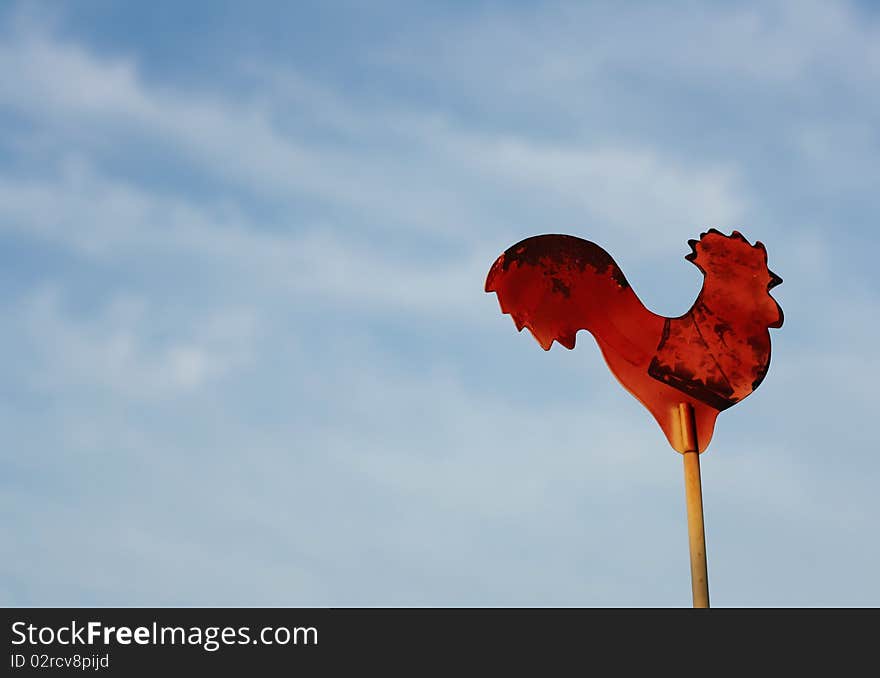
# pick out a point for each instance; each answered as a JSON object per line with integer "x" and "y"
{"x": 120, "y": 225}
{"x": 444, "y": 192}
{"x": 566, "y": 50}
{"x": 617, "y": 186}
{"x": 116, "y": 352}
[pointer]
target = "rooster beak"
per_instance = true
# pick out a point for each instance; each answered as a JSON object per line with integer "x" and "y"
{"x": 774, "y": 281}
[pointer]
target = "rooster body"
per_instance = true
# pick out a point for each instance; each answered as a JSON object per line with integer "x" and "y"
{"x": 711, "y": 357}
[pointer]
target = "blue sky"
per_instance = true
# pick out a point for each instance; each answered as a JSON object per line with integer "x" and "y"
{"x": 248, "y": 358}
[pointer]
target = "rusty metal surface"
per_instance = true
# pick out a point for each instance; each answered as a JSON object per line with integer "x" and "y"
{"x": 712, "y": 357}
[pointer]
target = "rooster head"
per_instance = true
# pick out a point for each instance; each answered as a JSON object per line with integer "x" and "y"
{"x": 738, "y": 270}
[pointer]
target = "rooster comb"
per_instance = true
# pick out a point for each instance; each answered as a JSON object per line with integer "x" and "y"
{"x": 706, "y": 246}
{"x": 714, "y": 248}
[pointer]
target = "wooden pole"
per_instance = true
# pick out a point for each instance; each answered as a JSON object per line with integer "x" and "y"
{"x": 694, "y": 497}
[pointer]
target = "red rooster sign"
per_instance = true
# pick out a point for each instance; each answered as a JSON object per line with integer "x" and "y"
{"x": 712, "y": 357}
{"x": 684, "y": 370}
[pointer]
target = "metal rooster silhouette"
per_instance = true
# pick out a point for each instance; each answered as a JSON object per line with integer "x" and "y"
{"x": 712, "y": 357}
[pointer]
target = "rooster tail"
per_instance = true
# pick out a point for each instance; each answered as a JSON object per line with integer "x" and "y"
{"x": 556, "y": 285}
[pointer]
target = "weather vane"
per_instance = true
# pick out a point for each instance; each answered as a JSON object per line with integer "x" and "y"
{"x": 685, "y": 370}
